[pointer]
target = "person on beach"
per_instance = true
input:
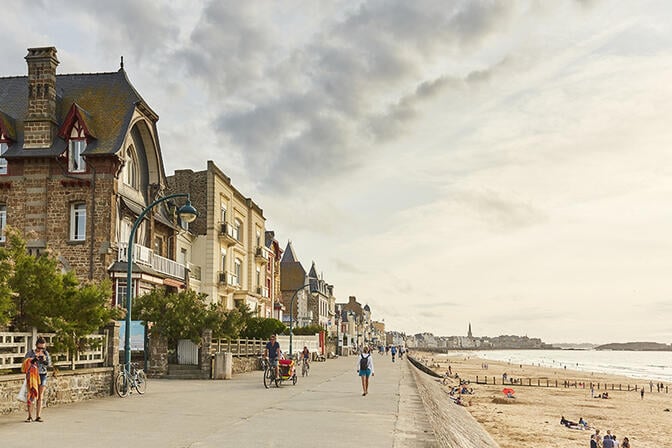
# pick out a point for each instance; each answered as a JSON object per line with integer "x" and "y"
{"x": 365, "y": 369}
{"x": 593, "y": 442}
{"x": 393, "y": 351}
{"x": 626, "y": 443}
{"x": 641, "y": 392}
{"x": 607, "y": 442}
{"x": 35, "y": 366}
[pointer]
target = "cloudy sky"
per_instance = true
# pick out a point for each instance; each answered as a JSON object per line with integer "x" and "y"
{"x": 504, "y": 163}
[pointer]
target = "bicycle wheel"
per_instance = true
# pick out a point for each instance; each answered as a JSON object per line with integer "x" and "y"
{"x": 268, "y": 377}
{"x": 141, "y": 382}
{"x": 294, "y": 379}
{"x": 304, "y": 369}
{"x": 122, "y": 384}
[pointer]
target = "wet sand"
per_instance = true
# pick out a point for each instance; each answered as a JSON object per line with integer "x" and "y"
{"x": 532, "y": 419}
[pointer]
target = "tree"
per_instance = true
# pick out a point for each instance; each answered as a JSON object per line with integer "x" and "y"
{"x": 234, "y": 321}
{"x": 175, "y": 316}
{"x": 308, "y": 330}
{"x": 82, "y": 310}
{"x": 263, "y": 328}
{"x": 7, "y": 306}
{"x": 36, "y": 282}
{"x": 53, "y": 301}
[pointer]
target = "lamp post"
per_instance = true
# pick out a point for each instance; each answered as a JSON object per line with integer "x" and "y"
{"x": 188, "y": 214}
{"x": 291, "y": 316}
{"x": 338, "y": 324}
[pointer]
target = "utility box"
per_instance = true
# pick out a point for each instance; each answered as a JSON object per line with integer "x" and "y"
{"x": 223, "y": 366}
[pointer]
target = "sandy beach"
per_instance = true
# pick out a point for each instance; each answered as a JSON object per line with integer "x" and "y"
{"x": 532, "y": 419}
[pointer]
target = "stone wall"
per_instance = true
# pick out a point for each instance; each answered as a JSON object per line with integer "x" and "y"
{"x": 245, "y": 364}
{"x": 62, "y": 388}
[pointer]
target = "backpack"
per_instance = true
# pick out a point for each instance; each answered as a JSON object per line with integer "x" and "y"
{"x": 364, "y": 363}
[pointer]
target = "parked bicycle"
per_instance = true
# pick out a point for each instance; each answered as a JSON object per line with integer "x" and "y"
{"x": 126, "y": 381}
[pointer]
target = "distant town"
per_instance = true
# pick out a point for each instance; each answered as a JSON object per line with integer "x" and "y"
{"x": 427, "y": 341}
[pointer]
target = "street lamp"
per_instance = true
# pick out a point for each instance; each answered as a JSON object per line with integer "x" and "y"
{"x": 187, "y": 214}
{"x": 338, "y": 324}
{"x": 291, "y": 316}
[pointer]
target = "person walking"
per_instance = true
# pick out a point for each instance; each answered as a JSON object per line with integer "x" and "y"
{"x": 641, "y": 393}
{"x": 35, "y": 366}
{"x": 365, "y": 369}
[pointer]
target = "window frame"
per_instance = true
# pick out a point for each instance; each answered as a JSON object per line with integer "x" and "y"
{"x": 3, "y": 222}
{"x": 78, "y": 213}
{"x": 4, "y": 147}
{"x": 76, "y": 143}
{"x": 237, "y": 229}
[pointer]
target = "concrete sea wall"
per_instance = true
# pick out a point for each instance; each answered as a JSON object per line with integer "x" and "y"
{"x": 453, "y": 425}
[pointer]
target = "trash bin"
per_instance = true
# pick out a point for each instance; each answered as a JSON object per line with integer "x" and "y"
{"x": 223, "y": 366}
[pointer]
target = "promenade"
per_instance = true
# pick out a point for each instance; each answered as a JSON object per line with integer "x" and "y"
{"x": 325, "y": 409}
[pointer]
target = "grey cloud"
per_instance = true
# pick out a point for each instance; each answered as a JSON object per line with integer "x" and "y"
{"x": 347, "y": 266}
{"x": 142, "y": 27}
{"x": 297, "y": 113}
{"x": 498, "y": 211}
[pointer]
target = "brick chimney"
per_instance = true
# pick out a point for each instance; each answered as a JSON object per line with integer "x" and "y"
{"x": 40, "y": 125}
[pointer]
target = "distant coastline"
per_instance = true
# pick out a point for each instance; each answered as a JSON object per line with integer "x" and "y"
{"x": 636, "y": 347}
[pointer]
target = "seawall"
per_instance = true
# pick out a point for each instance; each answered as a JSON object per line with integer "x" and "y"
{"x": 453, "y": 425}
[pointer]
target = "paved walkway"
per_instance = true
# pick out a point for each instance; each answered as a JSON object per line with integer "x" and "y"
{"x": 325, "y": 409}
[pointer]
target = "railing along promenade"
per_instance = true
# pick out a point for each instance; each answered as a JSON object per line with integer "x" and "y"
{"x": 14, "y": 345}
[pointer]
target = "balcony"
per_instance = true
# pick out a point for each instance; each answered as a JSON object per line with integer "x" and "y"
{"x": 227, "y": 234}
{"x": 145, "y": 256}
{"x": 262, "y": 291}
{"x": 229, "y": 281}
{"x": 262, "y": 254}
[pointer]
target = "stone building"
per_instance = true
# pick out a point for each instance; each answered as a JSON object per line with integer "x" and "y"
{"x": 321, "y": 301}
{"x": 80, "y": 162}
{"x": 294, "y": 289}
{"x": 230, "y": 240}
{"x": 273, "y": 275}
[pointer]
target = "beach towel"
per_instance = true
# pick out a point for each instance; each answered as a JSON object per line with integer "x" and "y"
{"x": 32, "y": 379}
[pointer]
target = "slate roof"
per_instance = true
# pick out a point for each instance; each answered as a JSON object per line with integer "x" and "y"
{"x": 108, "y": 101}
{"x": 289, "y": 256}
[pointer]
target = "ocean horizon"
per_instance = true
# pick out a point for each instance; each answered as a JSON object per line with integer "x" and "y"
{"x": 648, "y": 365}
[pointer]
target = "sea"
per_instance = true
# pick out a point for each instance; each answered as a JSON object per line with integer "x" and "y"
{"x": 649, "y": 365}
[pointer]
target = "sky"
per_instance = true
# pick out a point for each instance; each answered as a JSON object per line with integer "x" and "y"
{"x": 502, "y": 163}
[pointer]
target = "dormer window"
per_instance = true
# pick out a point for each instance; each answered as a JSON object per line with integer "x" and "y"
{"x": 4, "y": 145}
{"x": 77, "y": 131}
{"x": 131, "y": 168}
{"x": 76, "y": 163}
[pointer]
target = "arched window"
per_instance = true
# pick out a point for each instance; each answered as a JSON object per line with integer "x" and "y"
{"x": 131, "y": 173}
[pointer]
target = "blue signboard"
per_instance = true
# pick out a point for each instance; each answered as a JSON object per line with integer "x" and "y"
{"x": 137, "y": 335}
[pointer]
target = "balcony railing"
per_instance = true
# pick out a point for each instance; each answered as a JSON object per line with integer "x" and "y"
{"x": 228, "y": 234}
{"x": 146, "y": 256}
{"x": 228, "y": 279}
{"x": 262, "y": 254}
{"x": 262, "y": 291}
